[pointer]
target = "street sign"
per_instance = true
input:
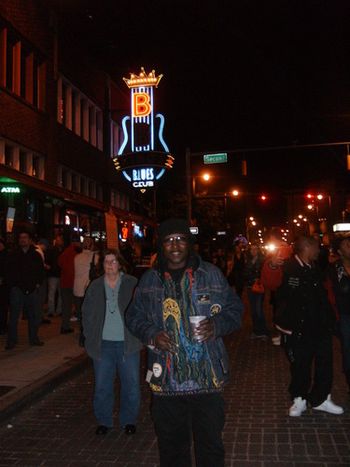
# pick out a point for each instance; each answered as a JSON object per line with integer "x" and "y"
{"x": 218, "y": 158}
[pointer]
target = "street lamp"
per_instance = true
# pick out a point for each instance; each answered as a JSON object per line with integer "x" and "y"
{"x": 250, "y": 222}
{"x": 191, "y": 190}
{"x": 206, "y": 176}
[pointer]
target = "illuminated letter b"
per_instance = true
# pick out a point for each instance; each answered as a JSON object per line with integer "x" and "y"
{"x": 141, "y": 104}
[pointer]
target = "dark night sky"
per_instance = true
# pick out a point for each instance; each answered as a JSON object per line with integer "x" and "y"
{"x": 236, "y": 75}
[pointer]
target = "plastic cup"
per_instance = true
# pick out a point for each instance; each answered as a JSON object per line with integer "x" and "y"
{"x": 194, "y": 322}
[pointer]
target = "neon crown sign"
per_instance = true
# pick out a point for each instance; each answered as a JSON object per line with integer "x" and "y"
{"x": 143, "y": 156}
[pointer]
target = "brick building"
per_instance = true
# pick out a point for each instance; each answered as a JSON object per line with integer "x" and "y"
{"x": 58, "y": 132}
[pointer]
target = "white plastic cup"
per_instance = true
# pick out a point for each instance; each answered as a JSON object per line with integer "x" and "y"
{"x": 194, "y": 322}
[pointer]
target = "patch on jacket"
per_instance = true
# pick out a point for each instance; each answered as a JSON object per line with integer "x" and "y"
{"x": 215, "y": 309}
{"x": 294, "y": 282}
{"x": 157, "y": 370}
{"x": 203, "y": 298}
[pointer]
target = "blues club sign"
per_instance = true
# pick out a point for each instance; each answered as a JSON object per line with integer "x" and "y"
{"x": 143, "y": 156}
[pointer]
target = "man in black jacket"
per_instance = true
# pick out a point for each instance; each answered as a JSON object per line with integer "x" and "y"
{"x": 24, "y": 276}
{"x": 306, "y": 318}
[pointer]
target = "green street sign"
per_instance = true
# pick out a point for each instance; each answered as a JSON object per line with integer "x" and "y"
{"x": 218, "y": 158}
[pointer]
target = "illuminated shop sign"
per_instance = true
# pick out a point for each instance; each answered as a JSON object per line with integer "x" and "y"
{"x": 10, "y": 189}
{"x": 142, "y": 178}
{"x": 144, "y": 155}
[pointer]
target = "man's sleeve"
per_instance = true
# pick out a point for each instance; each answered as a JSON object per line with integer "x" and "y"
{"x": 283, "y": 296}
{"x": 137, "y": 317}
{"x": 230, "y": 316}
{"x": 10, "y": 274}
{"x": 40, "y": 270}
{"x": 328, "y": 284}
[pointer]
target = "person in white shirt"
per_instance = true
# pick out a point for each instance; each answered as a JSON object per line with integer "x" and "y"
{"x": 82, "y": 264}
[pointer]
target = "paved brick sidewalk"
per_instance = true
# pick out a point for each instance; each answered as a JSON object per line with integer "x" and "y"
{"x": 27, "y": 372}
{"x": 59, "y": 429}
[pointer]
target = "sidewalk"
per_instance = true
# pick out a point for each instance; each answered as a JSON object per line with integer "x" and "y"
{"x": 27, "y": 372}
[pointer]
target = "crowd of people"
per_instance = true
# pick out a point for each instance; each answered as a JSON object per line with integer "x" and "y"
{"x": 180, "y": 310}
{"x": 39, "y": 281}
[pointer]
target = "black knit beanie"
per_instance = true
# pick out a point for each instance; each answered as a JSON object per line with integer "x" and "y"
{"x": 172, "y": 226}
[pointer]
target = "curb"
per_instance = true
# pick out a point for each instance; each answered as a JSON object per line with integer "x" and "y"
{"x": 14, "y": 401}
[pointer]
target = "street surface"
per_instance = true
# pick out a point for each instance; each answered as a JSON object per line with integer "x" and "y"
{"x": 59, "y": 429}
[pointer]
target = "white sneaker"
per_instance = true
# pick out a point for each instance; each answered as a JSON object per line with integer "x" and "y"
{"x": 74, "y": 318}
{"x": 329, "y": 406}
{"x": 298, "y": 407}
{"x": 276, "y": 340}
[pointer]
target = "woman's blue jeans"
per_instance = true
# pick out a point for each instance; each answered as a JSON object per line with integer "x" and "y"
{"x": 128, "y": 367}
{"x": 256, "y": 301}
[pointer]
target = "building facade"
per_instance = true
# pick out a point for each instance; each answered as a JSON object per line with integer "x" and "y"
{"x": 58, "y": 134}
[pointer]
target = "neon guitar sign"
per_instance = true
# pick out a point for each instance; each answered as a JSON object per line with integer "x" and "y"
{"x": 144, "y": 155}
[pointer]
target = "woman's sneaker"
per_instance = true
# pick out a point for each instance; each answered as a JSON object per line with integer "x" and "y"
{"x": 298, "y": 407}
{"x": 330, "y": 407}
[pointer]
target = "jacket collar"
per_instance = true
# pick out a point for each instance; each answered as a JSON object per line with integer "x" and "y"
{"x": 302, "y": 263}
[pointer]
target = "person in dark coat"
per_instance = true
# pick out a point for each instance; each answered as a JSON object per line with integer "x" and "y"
{"x": 305, "y": 317}
{"x": 54, "y": 307}
{"x": 110, "y": 345}
{"x": 25, "y": 274}
{"x": 235, "y": 277}
{"x": 251, "y": 274}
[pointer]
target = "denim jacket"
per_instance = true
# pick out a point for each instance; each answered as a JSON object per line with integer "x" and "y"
{"x": 211, "y": 296}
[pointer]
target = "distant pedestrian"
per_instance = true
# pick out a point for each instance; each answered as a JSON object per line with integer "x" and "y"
{"x": 54, "y": 299}
{"x": 4, "y": 298}
{"x": 219, "y": 259}
{"x": 127, "y": 251}
{"x": 324, "y": 246}
{"x": 255, "y": 291}
{"x": 278, "y": 252}
{"x": 188, "y": 364}
{"x": 236, "y": 275}
{"x": 82, "y": 265}
{"x": 41, "y": 247}
{"x": 25, "y": 274}
{"x": 306, "y": 319}
{"x": 66, "y": 264}
{"x": 111, "y": 346}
